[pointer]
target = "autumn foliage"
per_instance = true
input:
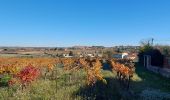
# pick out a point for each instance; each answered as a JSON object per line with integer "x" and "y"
{"x": 27, "y": 70}
{"x": 28, "y": 74}
{"x": 124, "y": 71}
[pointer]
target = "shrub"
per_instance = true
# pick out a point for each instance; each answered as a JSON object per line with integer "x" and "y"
{"x": 28, "y": 74}
{"x": 4, "y": 79}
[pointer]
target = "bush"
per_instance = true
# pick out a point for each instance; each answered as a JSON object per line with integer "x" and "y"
{"x": 5, "y": 79}
{"x": 28, "y": 74}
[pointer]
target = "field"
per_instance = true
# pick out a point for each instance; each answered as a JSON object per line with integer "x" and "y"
{"x": 64, "y": 79}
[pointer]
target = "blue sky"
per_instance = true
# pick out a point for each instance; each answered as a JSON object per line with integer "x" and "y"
{"x": 83, "y": 22}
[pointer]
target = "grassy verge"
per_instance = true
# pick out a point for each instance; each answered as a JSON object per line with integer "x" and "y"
{"x": 144, "y": 79}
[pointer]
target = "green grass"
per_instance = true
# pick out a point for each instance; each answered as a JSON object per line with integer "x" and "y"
{"x": 144, "y": 79}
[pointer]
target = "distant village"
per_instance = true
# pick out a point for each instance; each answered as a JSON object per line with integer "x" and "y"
{"x": 121, "y": 52}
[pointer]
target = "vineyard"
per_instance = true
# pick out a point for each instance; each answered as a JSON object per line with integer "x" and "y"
{"x": 59, "y": 78}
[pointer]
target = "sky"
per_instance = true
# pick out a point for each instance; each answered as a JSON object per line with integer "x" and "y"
{"x": 83, "y": 22}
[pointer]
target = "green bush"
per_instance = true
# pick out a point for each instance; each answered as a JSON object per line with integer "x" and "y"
{"x": 4, "y": 79}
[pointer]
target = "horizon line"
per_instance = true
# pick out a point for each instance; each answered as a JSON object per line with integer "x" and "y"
{"x": 19, "y": 46}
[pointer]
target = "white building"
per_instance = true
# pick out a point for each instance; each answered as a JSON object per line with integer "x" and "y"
{"x": 120, "y": 56}
{"x": 90, "y": 55}
{"x": 67, "y": 56}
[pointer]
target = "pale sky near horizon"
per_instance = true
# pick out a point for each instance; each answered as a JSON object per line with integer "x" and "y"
{"x": 83, "y": 22}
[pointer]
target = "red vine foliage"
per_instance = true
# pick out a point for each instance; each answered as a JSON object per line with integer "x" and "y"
{"x": 28, "y": 74}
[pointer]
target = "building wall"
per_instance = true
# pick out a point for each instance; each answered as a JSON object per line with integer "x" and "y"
{"x": 167, "y": 62}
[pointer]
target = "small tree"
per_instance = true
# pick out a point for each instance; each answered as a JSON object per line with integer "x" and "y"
{"x": 71, "y": 53}
{"x": 108, "y": 54}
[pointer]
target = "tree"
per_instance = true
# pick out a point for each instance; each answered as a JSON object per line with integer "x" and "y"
{"x": 108, "y": 54}
{"x": 156, "y": 55}
{"x": 118, "y": 50}
{"x": 165, "y": 50}
{"x": 5, "y": 49}
{"x": 71, "y": 53}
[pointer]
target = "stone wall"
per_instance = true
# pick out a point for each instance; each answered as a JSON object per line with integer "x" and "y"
{"x": 162, "y": 71}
